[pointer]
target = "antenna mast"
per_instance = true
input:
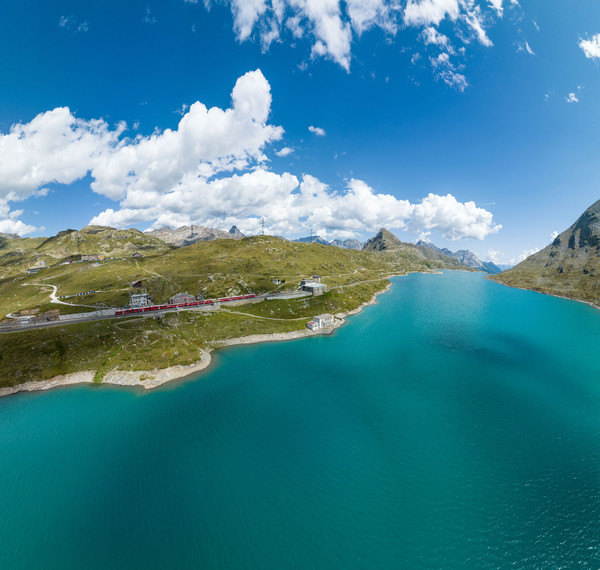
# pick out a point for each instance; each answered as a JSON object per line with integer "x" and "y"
{"x": 262, "y": 225}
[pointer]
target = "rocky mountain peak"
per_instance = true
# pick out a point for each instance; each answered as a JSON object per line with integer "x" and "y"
{"x": 569, "y": 266}
{"x": 236, "y": 233}
{"x": 383, "y": 240}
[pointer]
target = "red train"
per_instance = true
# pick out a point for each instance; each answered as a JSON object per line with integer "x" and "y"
{"x": 181, "y": 305}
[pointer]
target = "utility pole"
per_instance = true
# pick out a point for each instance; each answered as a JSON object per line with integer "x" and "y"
{"x": 310, "y": 239}
{"x": 262, "y": 225}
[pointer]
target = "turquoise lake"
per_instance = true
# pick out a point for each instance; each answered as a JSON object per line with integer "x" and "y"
{"x": 455, "y": 424}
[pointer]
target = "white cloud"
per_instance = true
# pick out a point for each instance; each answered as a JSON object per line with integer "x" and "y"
{"x": 497, "y": 5}
{"x": 332, "y": 25}
{"x": 427, "y": 12}
{"x": 206, "y": 142}
{"x": 452, "y": 79}
{"x": 288, "y": 206}
{"x": 365, "y": 14}
{"x": 528, "y": 49}
{"x": 452, "y": 219}
{"x": 285, "y": 151}
{"x": 591, "y": 48}
{"x": 317, "y": 131}
{"x": 474, "y": 19}
{"x": 554, "y": 235}
{"x": 431, "y": 36}
{"x": 54, "y": 147}
{"x": 526, "y": 253}
{"x": 572, "y": 98}
{"x": 445, "y": 71}
{"x": 245, "y": 14}
{"x": 188, "y": 175}
{"x": 523, "y": 256}
{"x": 57, "y": 147}
{"x": 9, "y": 224}
{"x": 495, "y": 256}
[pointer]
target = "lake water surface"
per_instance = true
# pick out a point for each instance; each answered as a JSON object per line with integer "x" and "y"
{"x": 455, "y": 424}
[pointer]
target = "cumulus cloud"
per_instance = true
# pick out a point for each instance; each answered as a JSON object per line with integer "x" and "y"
{"x": 591, "y": 48}
{"x": 554, "y": 235}
{"x": 332, "y": 25}
{"x": 317, "y": 131}
{"x": 452, "y": 219}
{"x": 285, "y": 151}
{"x": 54, "y": 147}
{"x": 10, "y": 224}
{"x": 289, "y": 205}
{"x": 211, "y": 170}
{"x": 57, "y": 147}
{"x": 206, "y": 142}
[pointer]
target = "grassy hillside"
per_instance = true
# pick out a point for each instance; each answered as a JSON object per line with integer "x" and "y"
{"x": 569, "y": 266}
{"x": 566, "y": 276}
{"x": 17, "y": 255}
{"x": 212, "y": 269}
{"x": 157, "y": 341}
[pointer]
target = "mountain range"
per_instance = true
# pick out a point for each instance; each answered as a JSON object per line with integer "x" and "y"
{"x": 344, "y": 244}
{"x": 467, "y": 257}
{"x": 385, "y": 241}
{"x": 187, "y": 235}
{"x": 568, "y": 267}
{"x": 17, "y": 253}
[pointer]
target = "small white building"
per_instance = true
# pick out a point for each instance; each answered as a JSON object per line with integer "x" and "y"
{"x": 315, "y": 288}
{"x": 313, "y": 285}
{"x": 139, "y": 300}
{"x": 321, "y": 322}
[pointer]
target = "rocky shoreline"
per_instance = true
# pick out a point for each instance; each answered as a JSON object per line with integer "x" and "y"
{"x": 150, "y": 379}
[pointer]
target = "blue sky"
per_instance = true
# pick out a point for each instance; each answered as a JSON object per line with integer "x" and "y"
{"x": 440, "y": 119}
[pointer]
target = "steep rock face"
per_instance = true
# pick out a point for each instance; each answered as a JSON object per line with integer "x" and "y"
{"x": 386, "y": 242}
{"x": 187, "y": 235}
{"x": 465, "y": 256}
{"x": 569, "y": 266}
{"x": 236, "y": 233}
{"x": 382, "y": 241}
{"x": 9, "y": 236}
